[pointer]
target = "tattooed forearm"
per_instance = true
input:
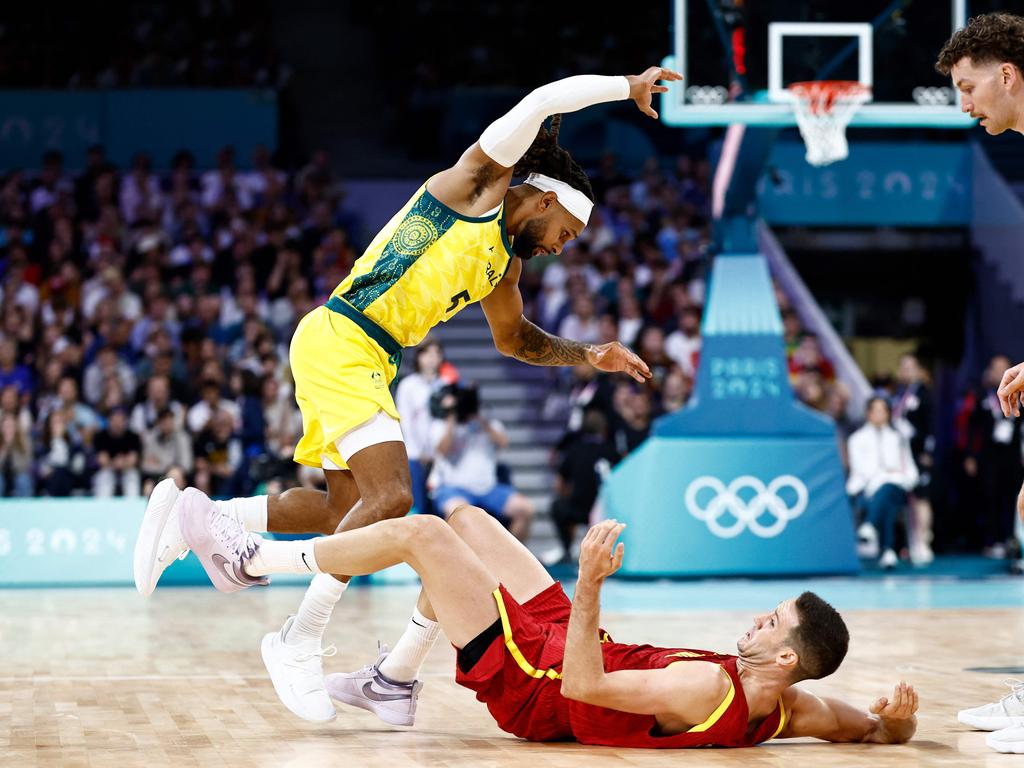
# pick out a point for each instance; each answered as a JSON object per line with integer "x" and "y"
{"x": 539, "y": 348}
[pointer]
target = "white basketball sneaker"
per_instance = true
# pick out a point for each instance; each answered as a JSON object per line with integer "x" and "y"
{"x": 1009, "y": 740}
{"x": 391, "y": 701}
{"x": 159, "y": 542}
{"x": 1005, "y": 713}
{"x": 298, "y": 675}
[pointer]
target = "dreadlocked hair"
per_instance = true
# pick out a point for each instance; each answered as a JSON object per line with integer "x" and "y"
{"x": 547, "y": 157}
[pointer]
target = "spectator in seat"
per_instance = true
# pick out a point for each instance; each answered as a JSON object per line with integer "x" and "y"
{"x": 675, "y": 391}
{"x": 62, "y": 459}
{"x": 632, "y": 418}
{"x": 158, "y": 399}
{"x": 412, "y": 399}
{"x": 994, "y": 458}
{"x": 466, "y": 446}
{"x": 165, "y": 445}
{"x": 106, "y": 365}
{"x": 82, "y": 420}
{"x": 283, "y": 419}
{"x": 11, "y": 371}
{"x": 631, "y": 318}
{"x": 199, "y": 415}
{"x": 118, "y": 451}
{"x": 683, "y": 344}
{"x": 218, "y": 456}
{"x": 912, "y": 415}
{"x": 651, "y": 348}
{"x": 882, "y": 472}
{"x": 586, "y": 461}
{"x": 581, "y": 324}
{"x": 16, "y": 457}
{"x": 808, "y": 358}
{"x": 11, "y": 405}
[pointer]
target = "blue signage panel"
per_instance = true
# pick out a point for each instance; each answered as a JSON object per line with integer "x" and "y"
{"x": 895, "y": 184}
{"x": 742, "y": 382}
{"x": 732, "y": 506}
{"x": 159, "y": 122}
{"x": 745, "y": 480}
{"x": 73, "y": 542}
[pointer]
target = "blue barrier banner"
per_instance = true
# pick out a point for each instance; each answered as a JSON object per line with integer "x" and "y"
{"x": 68, "y": 541}
{"x": 91, "y": 542}
{"x": 159, "y": 122}
{"x": 757, "y": 506}
{"x": 891, "y": 184}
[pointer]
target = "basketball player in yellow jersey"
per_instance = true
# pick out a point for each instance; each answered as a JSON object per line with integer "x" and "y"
{"x": 462, "y": 238}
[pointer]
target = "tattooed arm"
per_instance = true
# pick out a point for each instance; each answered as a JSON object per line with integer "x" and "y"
{"x": 538, "y": 347}
{"x": 515, "y": 336}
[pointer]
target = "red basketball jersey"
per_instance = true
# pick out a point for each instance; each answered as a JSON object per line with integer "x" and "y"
{"x": 519, "y": 678}
{"x": 727, "y": 726}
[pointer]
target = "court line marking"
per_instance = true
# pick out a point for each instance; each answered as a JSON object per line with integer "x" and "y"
{"x": 224, "y": 677}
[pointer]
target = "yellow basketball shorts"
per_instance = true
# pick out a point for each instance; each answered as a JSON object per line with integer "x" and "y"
{"x": 342, "y": 380}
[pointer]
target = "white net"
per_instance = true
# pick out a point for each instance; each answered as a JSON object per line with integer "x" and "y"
{"x": 823, "y": 111}
{"x": 933, "y": 97}
{"x": 706, "y": 94}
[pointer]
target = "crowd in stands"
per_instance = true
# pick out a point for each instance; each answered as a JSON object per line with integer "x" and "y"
{"x": 145, "y": 318}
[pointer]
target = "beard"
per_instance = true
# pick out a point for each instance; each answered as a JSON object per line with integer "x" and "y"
{"x": 528, "y": 239}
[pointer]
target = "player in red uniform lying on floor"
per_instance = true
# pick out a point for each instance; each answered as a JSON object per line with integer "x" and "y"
{"x": 542, "y": 665}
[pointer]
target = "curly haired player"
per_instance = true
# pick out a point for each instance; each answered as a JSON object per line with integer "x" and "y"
{"x": 986, "y": 62}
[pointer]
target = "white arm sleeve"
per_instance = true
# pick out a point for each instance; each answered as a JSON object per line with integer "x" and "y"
{"x": 506, "y": 140}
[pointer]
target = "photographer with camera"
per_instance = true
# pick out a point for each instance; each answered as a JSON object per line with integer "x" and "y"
{"x": 466, "y": 445}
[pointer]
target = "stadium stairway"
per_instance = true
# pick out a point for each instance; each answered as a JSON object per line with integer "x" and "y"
{"x": 515, "y": 394}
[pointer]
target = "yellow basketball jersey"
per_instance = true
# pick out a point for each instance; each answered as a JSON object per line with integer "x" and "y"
{"x": 428, "y": 263}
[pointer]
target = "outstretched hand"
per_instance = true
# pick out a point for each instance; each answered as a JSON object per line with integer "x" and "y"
{"x": 643, "y": 87}
{"x": 901, "y": 706}
{"x": 614, "y": 357}
{"x": 600, "y": 556}
{"x": 1011, "y": 389}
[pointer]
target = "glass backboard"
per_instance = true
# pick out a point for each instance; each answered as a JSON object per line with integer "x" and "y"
{"x": 738, "y": 56}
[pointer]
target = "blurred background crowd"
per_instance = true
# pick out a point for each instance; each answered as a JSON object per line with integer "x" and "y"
{"x": 146, "y": 319}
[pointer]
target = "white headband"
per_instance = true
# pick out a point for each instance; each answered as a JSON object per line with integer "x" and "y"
{"x": 574, "y": 201}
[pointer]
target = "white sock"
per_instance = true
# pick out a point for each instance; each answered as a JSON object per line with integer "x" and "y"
{"x": 283, "y": 557}
{"x": 315, "y": 611}
{"x": 404, "y": 662}
{"x": 250, "y": 511}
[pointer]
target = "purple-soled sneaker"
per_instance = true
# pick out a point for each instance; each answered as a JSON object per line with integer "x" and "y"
{"x": 391, "y": 701}
{"x": 219, "y": 541}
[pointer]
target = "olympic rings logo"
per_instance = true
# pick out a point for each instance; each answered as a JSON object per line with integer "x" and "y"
{"x": 745, "y": 510}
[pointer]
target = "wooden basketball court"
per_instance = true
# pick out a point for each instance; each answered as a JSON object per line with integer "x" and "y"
{"x": 98, "y": 678}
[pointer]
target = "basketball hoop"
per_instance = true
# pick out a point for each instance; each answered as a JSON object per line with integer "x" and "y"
{"x": 823, "y": 110}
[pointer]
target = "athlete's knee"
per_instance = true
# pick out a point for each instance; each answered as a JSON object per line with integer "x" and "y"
{"x": 394, "y": 501}
{"x": 419, "y": 533}
{"x": 465, "y": 515}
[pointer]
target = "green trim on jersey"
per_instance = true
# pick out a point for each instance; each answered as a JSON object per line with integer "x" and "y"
{"x": 425, "y": 223}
